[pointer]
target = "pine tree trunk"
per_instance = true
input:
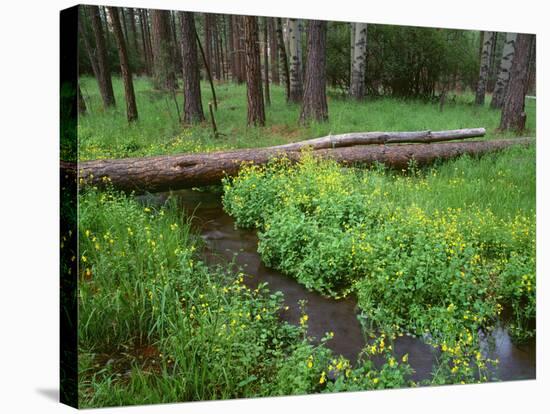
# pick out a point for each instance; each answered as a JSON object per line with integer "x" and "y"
{"x": 207, "y": 43}
{"x": 532, "y": 77}
{"x": 81, "y": 102}
{"x": 177, "y": 44}
{"x": 192, "y": 102}
{"x": 231, "y": 49}
{"x": 104, "y": 70}
{"x": 124, "y": 25}
{"x": 241, "y": 49}
{"x": 216, "y": 46}
{"x": 273, "y": 50}
{"x": 147, "y": 46}
{"x": 513, "y": 111}
{"x": 238, "y": 48}
{"x": 133, "y": 31}
{"x": 295, "y": 57}
{"x": 315, "y": 97}
{"x": 504, "y": 72}
{"x": 131, "y": 108}
{"x": 163, "y": 57}
{"x": 256, "y": 112}
{"x": 266, "y": 64}
{"x": 484, "y": 68}
{"x": 283, "y": 57}
{"x": 359, "y": 62}
{"x": 226, "y": 43}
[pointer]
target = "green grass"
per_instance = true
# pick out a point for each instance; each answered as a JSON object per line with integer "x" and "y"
{"x": 106, "y": 134}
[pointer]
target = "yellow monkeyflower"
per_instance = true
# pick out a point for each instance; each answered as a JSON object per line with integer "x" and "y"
{"x": 405, "y": 358}
{"x": 323, "y": 378}
{"x": 303, "y": 319}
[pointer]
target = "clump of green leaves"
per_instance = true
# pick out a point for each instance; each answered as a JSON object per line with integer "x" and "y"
{"x": 436, "y": 271}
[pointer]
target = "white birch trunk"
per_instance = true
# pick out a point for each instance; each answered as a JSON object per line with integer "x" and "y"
{"x": 359, "y": 62}
{"x": 484, "y": 67}
{"x": 504, "y": 71}
{"x": 295, "y": 59}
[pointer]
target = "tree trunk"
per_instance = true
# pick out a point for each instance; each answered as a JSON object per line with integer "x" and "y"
{"x": 207, "y": 42}
{"x": 359, "y": 62}
{"x": 104, "y": 70}
{"x": 484, "y": 68}
{"x": 491, "y": 77}
{"x": 124, "y": 26}
{"x": 256, "y": 112}
{"x": 177, "y": 49}
{"x": 147, "y": 46}
{"x": 131, "y": 108}
{"x": 352, "y": 51}
{"x": 231, "y": 49}
{"x": 164, "y": 76}
{"x": 216, "y": 45}
{"x": 314, "y": 105}
{"x": 273, "y": 50}
{"x": 295, "y": 55}
{"x": 283, "y": 57}
{"x": 513, "y": 111}
{"x": 192, "y": 102}
{"x": 266, "y": 63}
{"x": 504, "y": 72}
{"x": 238, "y": 48}
{"x": 172, "y": 172}
{"x": 133, "y": 31}
{"x": 90, "y": 52}
{"x": 81, "y": 102}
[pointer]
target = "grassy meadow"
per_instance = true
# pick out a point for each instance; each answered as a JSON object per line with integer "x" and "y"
{"x": 106, "y": 134}
{"x": 441, "y": 253}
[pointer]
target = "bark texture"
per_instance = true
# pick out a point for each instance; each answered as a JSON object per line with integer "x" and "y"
{"x": 513, "y": 112}
{"x": 172, "y": 172}
{"x": 314, "y": 106}
{"x": 192, "y": 102}
{"x": 283, "y": 57}
{"x": 273, "y": 49}
{"x": 295, "y": 57}
{"x": 146, "y": 41}
{"x": 504, "y": 71}
{"x": 484, "y": 67}
{"x": 256, "y": 111}
{"x": 104, "y": 69}
{"x": 359, "y": 62}
{"x": 164, "y": 76}
{"x": 238, "y": 49}
{"x": 131, "y": 108}
{"x": 266, "y": 62}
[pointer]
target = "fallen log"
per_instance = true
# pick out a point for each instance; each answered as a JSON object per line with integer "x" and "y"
{"x": 171, "y": 172}
{"x": 371, "y": 138}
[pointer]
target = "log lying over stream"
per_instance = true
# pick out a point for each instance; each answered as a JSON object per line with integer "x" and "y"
{"x": 172, "y": 172}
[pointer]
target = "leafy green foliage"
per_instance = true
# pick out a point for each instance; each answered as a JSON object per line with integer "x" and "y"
{"x": 419, "y": 259}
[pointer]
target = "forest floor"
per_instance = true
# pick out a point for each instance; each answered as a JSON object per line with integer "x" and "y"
{"x": 438, "y": 252}
{"x": 106, "y": 134}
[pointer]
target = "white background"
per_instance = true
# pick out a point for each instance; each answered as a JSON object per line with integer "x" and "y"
{"x": 29, "y": 205}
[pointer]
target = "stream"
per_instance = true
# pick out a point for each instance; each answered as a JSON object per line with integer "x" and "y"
{"x": 226, "y": 244}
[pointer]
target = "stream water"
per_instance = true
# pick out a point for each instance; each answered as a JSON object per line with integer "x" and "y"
{"x": 226, "y": 244}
